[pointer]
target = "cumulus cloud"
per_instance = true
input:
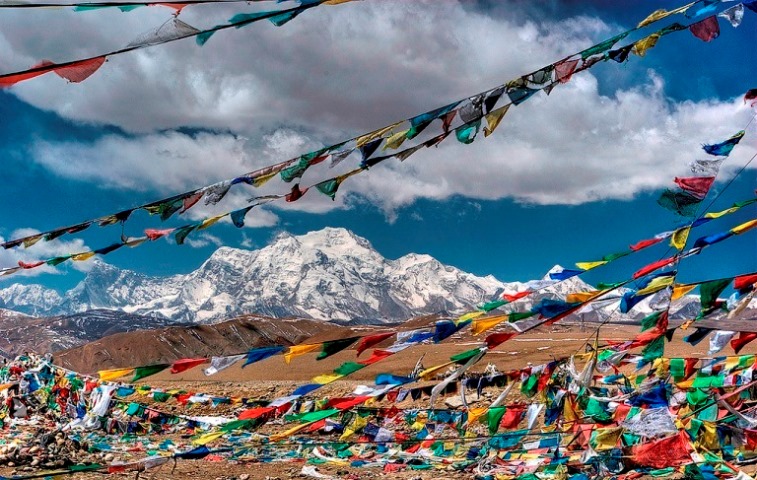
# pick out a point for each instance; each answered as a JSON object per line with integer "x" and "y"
{"x": 338, "y": 71}
{"x": 42, "y": 251}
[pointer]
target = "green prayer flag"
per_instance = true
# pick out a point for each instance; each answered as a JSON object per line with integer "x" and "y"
{"x": 650, "y": 321}
{"x": 465, "y": 356}
{"x": 236, "y": 425}
{"x": 330, "y": 348}
{"x": 161, "y": 396}
{"x": 489, "y": 306}
{"x": 348, "y": 367}
{"x": 608, "y": 286}
{"x": 312, "y": 416}
{"x": 654, "y": 349}
{"x": 709, "y": 291}
{"x": 467, "y": 133}
{"x": 697, "y": 397}
{"x": 682, "y": 203}
{"x": 615, "y": 256}
{"x": 295, "y": 171}
{"x": 603, "y": 46}
{"x": 678, "y": 368}
{"x": 494, "y": 417}
{"x": 530, "y": 386}
{"x": 146, "y": 371}
{"x": 57, "y": 260}
{"x": 329, "y": 187}
{"x": 516, "y": 316}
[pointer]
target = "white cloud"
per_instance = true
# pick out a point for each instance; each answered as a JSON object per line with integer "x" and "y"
{"x": 338, "y": 71}
{"x": 203, "y": 240}
{"x": 42, "y": 251}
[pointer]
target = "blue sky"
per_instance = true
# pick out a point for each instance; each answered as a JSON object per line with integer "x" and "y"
{"x": 567, "y": 178}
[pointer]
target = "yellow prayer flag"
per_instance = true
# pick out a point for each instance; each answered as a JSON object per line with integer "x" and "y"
{"x": 656, "y": 285}
{"x": 581, "y": 297}
{"x": 261, "y": 180}
{"x": 641, "y": 46}
{"x": 680, "y": 290}
{"x": 396, "y": 140}
{"x": 721, "y": 213}
{"x": 493, "y": 118}
{"x": 738, "y": 230}
{"x": 207, "y": 438}
{"x": 327, "y": 378}
{"x": 660, "y": 14}
{"x": 475, "y": 414}
{"x": 28, "y": 242}
{"x": 590, "y": 265}
{"x": 80, "y": 257}
{"x": 469, "y": 316}
{"x": 376, "y": 134}
{"x": 679, "y": 237}
{"x": 654, "y": 17}
{"x": 210, "y": 221}
{"x": 432, "y": 370}
{"x": 606, "y": 438}
{"x": 480, "y": 325}
{"x": 112, "y": 374}
{"x": 297, "y": 350}
{"x": 291, "y": 431}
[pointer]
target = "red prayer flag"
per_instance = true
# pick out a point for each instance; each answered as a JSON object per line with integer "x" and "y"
{"x": 376, "y": 356}
{"x": 176, "y": 6}
{"x": 698, "y": 186}
{"x": 512, "y": 417}
{"x": 79, "y": 71}
{"x": 751, "y": 96}
{"x": 186, "y": 363}
{"x": 645, "y": 338}
{"x": 564, "y": 70}
{"x": 668, "y": 452}
{"x": 644, "y": 244}
{"x": 155, "y": 233}
{"x": 744, "y": 281}
{"x": 706, "y": 30}
{"x": 751, "y": 439}
{"x": 371, "y": 340}
{"x": 191, "y": 200}
{"x": 515, "y": 296}
{"x": 653, "y": 266}
{"x": 346, "y": 402}
{"x": 27, "y": 266}
{"x": 41, "y": 68}
{"x": 254, "y": 413}
{"x": 295, "y": 194}
{"x": 496, "y": 339}
{"x": 742, "y": 340}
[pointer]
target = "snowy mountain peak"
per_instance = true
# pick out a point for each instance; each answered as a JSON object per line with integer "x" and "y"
{"x": 325, "y": 274}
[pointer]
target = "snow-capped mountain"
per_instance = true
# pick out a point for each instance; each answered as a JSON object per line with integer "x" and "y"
{"x": 329, "y": 274}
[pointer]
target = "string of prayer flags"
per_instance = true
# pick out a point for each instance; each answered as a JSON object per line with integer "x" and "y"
{"x": 471, "y": 110}
{"x": 174, "y": 29}
{"x": 128, "y": 6}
